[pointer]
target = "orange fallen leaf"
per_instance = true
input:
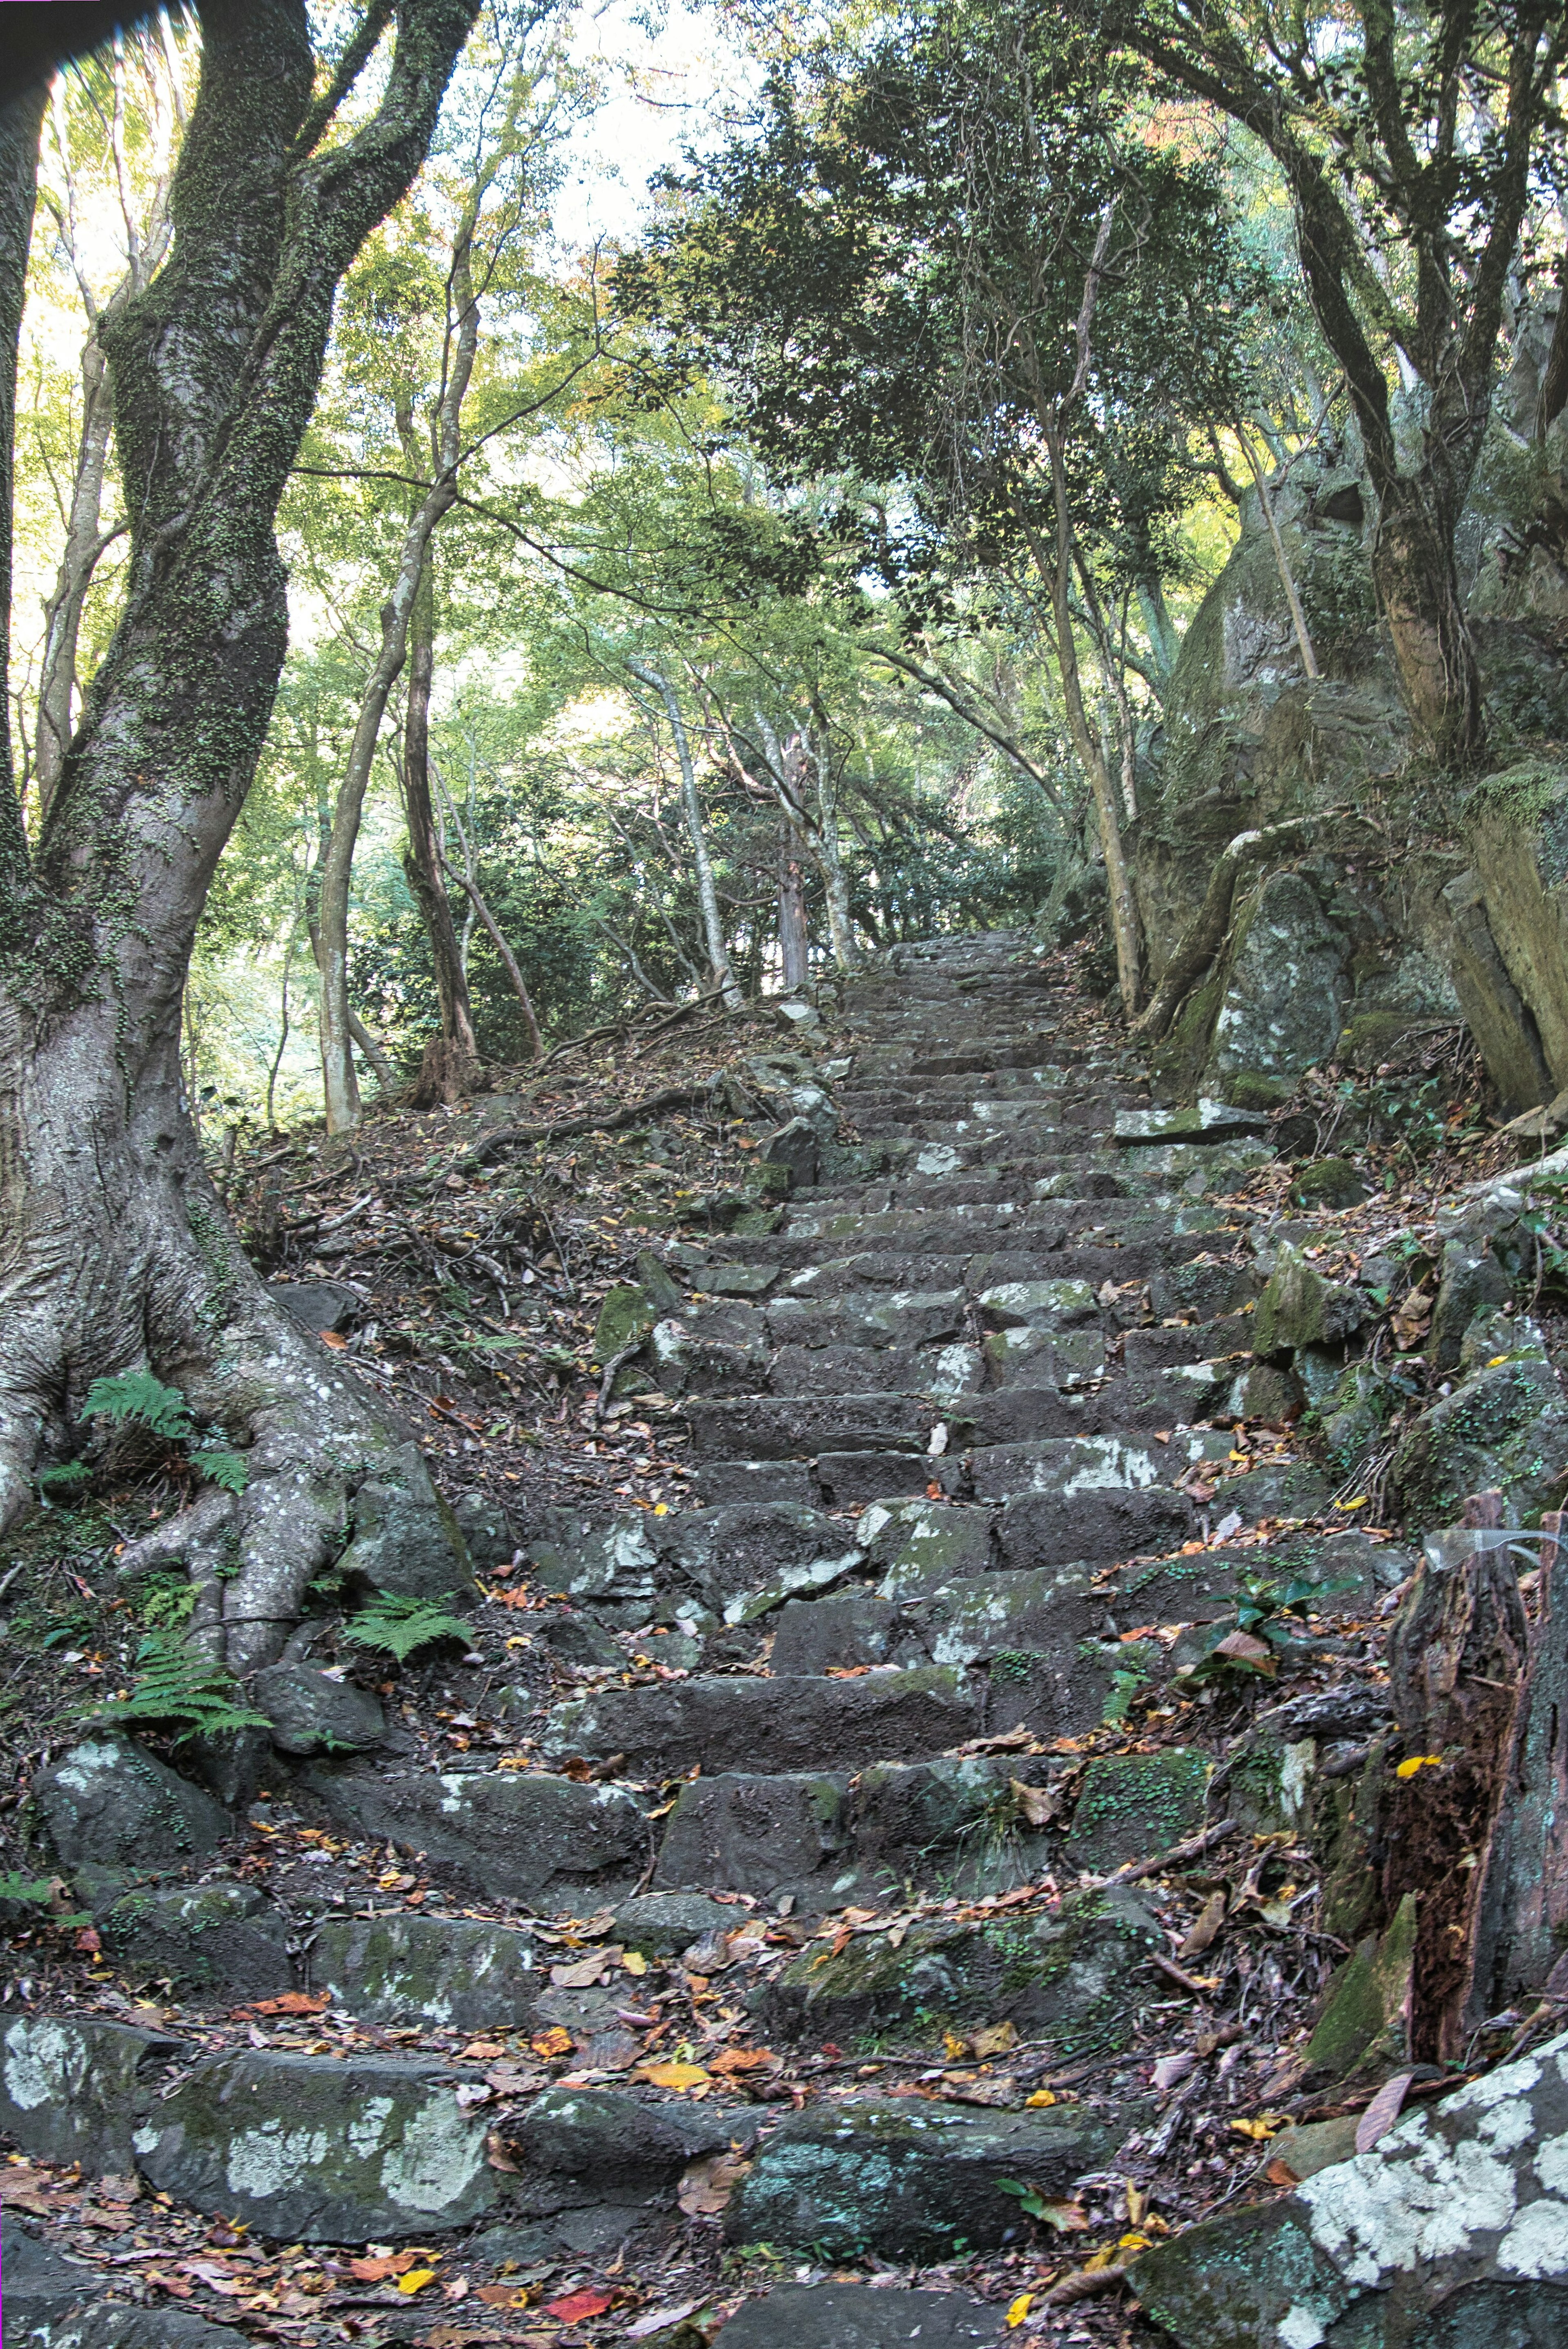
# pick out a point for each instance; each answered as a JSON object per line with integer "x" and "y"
{"x": 673, "y": 2076}
{"x": 553, "y": 2042}
{"x": 330, "y": 1338}
{"x": 1280, "y": 2173}
{"x": 578, "y": 2306}
{"x": 736, "y": 2060}
{"x": 502, "y": 2295}
{"x": 292, "y": 2002}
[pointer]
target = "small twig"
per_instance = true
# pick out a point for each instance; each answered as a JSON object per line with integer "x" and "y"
{"x": 596, "y": 1121}
{"x": 1194, "y": 1848}
{"x": 1188, "y": 1982}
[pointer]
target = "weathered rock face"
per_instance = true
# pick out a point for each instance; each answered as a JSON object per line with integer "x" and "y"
{"x": 858, "y": 2316}
{"x": 216, "y": 1937}
{"x": 514, "y": 1834}
{"x": 427, "y": 1971}
{"x": 406, "y": 1539}
{"x": 1454, "y": 2230}
{"x": 1519, "y": 822}
{"x": 57, "y": 2303}
{"x": 323, "y": 2151}
{"x": 109, "y": 1804}
{"x": 315, "y": 1712}
{"x": 1505, "y": 1428}
{"x": 903, "y": 2177}
{"x": 74, "y": 2090}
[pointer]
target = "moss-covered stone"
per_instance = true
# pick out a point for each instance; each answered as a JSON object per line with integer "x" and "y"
{"x": 1362, "y": 2027}
{"x": 1062, "y": 1977}
{"x": 1327, "y": 1183}
{"x": 1505, "y": 1429}
{"x": 207, "y": 1937}
{"x": 1300, "y": 1308}
{"x": 427, "y": 1971}
{"x": 906, "y": 2178}
{"x": 625, "y": 1317}
{"x": 1134, "y": 1805}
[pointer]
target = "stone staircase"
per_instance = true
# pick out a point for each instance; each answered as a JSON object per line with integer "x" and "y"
{"x": 952, "y": 1420}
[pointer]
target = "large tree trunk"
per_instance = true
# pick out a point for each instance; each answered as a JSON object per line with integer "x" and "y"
{"x": 114, "y": 1252}
{"x": 1417, "y": 584}
{"x": 691, "y": 807}
{"x": 792, "y": 933}
{"x": 451, "y": 1061}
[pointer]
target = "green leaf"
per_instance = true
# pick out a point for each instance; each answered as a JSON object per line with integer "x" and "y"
{"x": 231, "y": 1470}
{"x": 399, "y": 1625}
{"x": 138, "y": 1395}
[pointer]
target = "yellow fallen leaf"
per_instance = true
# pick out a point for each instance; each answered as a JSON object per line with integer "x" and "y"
{"x": 661, "y": 1508}
{"x": 1418, "y": 1762}
{"x": 1497, "y": 1361}
{"x": 673, "y": 2076}
{"x": 955, "y": 2048}
{"x": 634, "y": 1962}
{"x": 994, "y": 2041}
{"x": 1020, "y": 2308}
{"x": 1359, "y": 1503}
{"x": 1258, "y": 2130}
{"x": 416, "y": 2280}
{"x": 1041, "y": 2097}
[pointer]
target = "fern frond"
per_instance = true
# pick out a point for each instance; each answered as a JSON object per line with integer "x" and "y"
{"x": 399, "y": 1625}
{"x": 137, "y": 1394}
{"x": 175, "y": 1685}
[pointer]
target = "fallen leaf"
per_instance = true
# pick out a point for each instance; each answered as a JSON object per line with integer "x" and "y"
{"x": 482, "y": 2051}
{"x": 1171, "y": 2069}
{"x": 1408, "y": 1769}
{"x": 737, "y": 2060}
{"x": 1206, "y": 1926}
{"x": 1280, "y": 2173}
{"x": 579, "y": 2306}
{"x": 1242, "y": 1648}
{"x": 634, "y": 1962}
{"x": 1040, "y": 2099}
{"x": 1260, "y": 2130}
{"x": 707, "y": 2184}
{"x": 1019, "y": 2309}
{"x": 555, "y": 2042}
{"x": 660, "y": 2320}
{"x": 502, "y": 2295}
{"x": 378, "y": 2269}
{"x": 673, "y": 2076}
{"x": 292, "y": 2002}
{"x": 416, "y": 2280}
{"x": 1382, "y": 2112}
{"x": 954, "y": 2048}
{"x": 1036, "y": 1805}
{"x": 330, "y": 1338}
{"x": 995, "y": 2040}
{"x": 579, "y": 1976}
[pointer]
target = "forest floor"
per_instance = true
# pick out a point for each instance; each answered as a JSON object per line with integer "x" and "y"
{"x": 477, "y": 1268}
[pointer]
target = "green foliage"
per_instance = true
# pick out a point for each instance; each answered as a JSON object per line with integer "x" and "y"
{"x": 27, "y": 1891}
{"x": 63, "y": 1480}
{"x": 398, "y": 1626}
{"x": 138, "y": 1396}
{"x": 1124, "y": 1687}
{"x": 220, "y": 1466}
{"x": 175, "y": 1686}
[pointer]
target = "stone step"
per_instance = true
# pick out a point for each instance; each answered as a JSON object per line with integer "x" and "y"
{"x": 788, "y": 1724}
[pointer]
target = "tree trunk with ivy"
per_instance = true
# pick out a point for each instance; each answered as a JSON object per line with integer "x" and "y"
{"x": 116, "y": 1254}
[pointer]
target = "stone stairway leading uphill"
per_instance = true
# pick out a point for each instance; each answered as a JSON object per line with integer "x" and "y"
{"x": 951, "y": 1422}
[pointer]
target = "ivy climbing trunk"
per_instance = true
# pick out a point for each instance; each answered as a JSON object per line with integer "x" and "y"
{"x": 115, "y": 1250}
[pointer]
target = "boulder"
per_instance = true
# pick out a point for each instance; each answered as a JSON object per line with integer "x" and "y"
{"x": 1299, "y": 1308}
{"x": 1518, "y": 821}
{"x": 487, "y": 1530}
{"x": 513, "y": 1835}
{"x": 1327, "y": 1183}
{"x": 1505, "y": 1428}
{"x": 1062, "y": 1978}
{"x": 625, "y": 1317}
{"x": 110, "y": 1804}
{"x": 611, "y": 2136}
{"x": 1362, "y": 2025}
{"x": 796, "y": 1147}
{"x": 52, "y": 2303}
{"x": 859, "y": 2316}
{"x": 73, "y": 2090}
{"x": 662, "y": 1924}
{"x": 790, "y": 1722}
{"x": 207, "y": 1937}
{"x": 405, "y": 1538}
{"x": 321, "y": 2151}
{"x": 905, "y": 2178}
{"x": 315, "y": 1712}
{"x": 782, "y": 1832}
{"x": 1452, "y": 2231}
{"x": 402, "y": 1969}
{"x": 316, "y": 1305}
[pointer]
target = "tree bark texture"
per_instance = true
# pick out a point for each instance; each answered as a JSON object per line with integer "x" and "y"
{"x": 115, "y": 1251}
{"x": 792, "y": 934}
{"x": 456, "y": 1065}
{"x": 691, "y": 807}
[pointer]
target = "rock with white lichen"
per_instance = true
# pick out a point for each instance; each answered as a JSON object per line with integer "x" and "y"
{"x": 1452, "y": 2231}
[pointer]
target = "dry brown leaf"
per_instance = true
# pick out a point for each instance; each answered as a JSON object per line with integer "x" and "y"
{"x": 1036, "y": 1805}
{"x": 1206, "y": 1926}
{"x": 707, "y": 2185}
{"x": 995, "y": 2040}
{"x": 1382, "y": 2112}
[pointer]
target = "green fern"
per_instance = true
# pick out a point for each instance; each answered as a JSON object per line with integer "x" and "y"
{"x": 399, "y": 1625}
{"x": 176, "y": 1686}
{"x": 28, "y": 1891}
{"x": 220, "y": 1466}
{"x": 138, "y": 1395}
